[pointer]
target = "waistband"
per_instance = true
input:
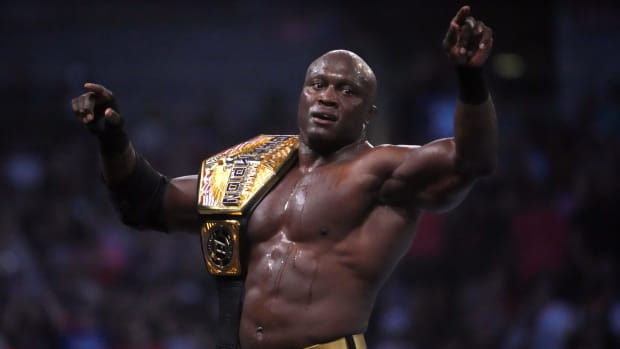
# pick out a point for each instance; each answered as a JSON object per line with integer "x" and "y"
{"x": 355, "y": 341}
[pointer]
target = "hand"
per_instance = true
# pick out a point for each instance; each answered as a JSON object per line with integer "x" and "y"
{"x": 468, "y": 42}
{"x": 97, "y": 109}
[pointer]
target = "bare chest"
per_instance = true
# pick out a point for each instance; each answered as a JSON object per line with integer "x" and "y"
{"x": 308, "y": 206}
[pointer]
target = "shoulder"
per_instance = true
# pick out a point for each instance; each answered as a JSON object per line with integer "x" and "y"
{"x": 385, "y": 158}
{"x": 387, "y": 153}
{"x": 393, "y": 149}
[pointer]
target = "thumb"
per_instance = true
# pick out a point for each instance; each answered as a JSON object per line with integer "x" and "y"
{"x": 112, "y": 117}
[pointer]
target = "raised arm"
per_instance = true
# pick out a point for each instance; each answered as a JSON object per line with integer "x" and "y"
{"x": 468, "y": 43}
{"x": 438, "y": 175}
{"x": 144, "y": 197}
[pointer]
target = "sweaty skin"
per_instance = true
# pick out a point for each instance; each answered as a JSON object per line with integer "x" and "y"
{"x": 328, "y": 235}
{"x": 324, "y": 240}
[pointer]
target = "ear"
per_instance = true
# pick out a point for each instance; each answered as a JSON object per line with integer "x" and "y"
{"x": 372, "y": 112}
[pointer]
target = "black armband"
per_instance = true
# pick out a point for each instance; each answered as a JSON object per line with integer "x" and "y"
{"x": 139, "y": 198}
{"x": 472, "y": 87}
{"x": 113, "y": 142}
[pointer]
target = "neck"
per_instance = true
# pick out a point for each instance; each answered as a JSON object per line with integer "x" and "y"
{"x": 309, "y": 159}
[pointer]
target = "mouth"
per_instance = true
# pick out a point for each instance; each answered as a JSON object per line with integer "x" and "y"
{"x": 323, "y": 118}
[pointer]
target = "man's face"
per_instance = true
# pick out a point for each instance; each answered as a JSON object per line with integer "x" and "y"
{"x": 335, "y": 101}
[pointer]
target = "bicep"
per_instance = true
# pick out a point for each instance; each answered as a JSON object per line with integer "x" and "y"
{"x": 427, "y": 177}
{"x": 180, "y": 204}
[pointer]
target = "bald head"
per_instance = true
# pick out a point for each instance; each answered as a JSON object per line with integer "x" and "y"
{"x": 347, "y": 59}
{"x": 336, "y": 101}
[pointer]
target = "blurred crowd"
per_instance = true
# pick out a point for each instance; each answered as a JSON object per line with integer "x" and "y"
{"x": 528, "y": 261}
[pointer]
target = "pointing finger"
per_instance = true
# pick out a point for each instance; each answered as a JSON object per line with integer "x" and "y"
{"x": 94, "y": 87}
{"x": 451, "y": 36}
{"x": 98, "y": 90}
{"x": 461, "y": 15}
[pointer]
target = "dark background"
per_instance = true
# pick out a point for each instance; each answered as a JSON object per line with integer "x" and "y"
{"x": 529, "y": 260}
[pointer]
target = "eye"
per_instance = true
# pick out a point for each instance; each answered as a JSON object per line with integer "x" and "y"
{"x": 348, "y": 90}
{"x": 317, "y": 85}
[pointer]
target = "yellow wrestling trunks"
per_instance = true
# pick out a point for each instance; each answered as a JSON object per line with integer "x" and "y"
{"x": 356, "y": 341}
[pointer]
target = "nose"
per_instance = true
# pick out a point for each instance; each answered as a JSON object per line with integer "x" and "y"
{"x": 328, "y": 97}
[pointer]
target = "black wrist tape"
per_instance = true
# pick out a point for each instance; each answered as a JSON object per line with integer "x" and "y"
{"x": 472, "y": 87}
{"x": 113, "y": 142}
{"x": 139, "y": 198}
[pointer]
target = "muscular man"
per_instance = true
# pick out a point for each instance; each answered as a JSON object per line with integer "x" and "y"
{"x": 325, "y": 238}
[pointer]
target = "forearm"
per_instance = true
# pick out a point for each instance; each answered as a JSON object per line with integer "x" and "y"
{"x": 475, "y": 125}
{"x": 136, "y": 189}
{"x": 118, "y": 167}
{"x": 117, "y": 155}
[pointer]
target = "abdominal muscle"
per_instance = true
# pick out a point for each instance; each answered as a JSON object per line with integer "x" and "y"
{"x": 300, "y": 294}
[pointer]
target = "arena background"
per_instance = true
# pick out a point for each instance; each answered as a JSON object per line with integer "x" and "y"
{"x": 528, "y": 261}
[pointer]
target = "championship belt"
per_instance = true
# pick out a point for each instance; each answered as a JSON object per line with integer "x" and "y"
{"x": 230, "y": 186}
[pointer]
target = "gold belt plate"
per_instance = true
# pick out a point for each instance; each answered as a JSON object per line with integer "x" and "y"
{"x": 231, "y": 180}
{"x": 220, "y": 246}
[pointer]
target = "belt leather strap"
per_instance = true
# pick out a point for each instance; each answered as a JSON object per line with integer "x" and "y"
{"x": 230, "y": 292}
{"x": 231, "y": 184}
{"x": 356, "y": 341}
